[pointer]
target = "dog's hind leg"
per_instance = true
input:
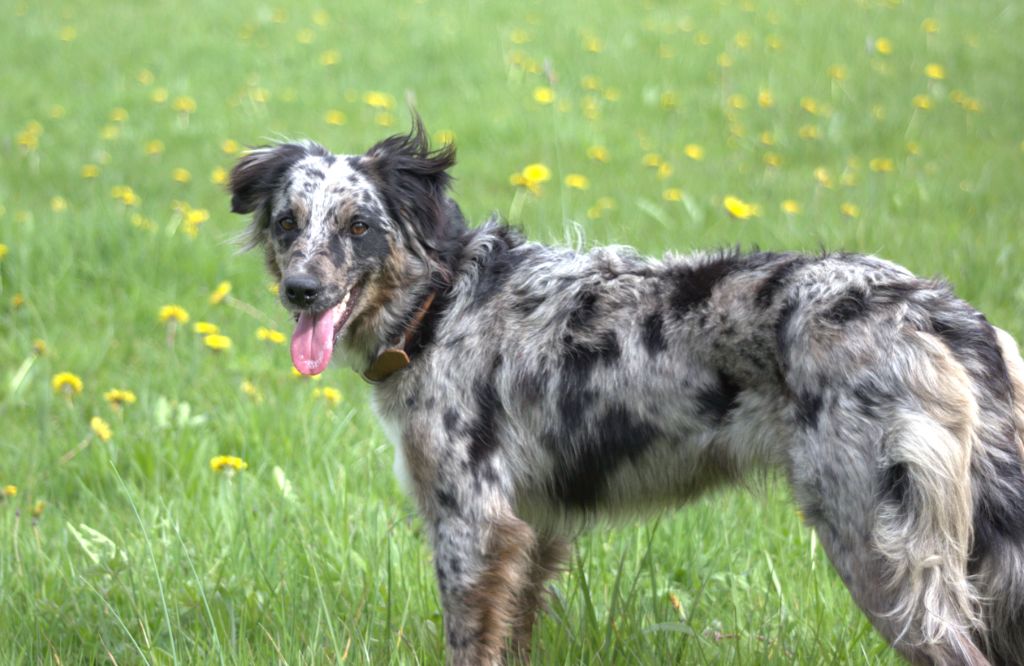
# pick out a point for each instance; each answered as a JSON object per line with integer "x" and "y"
{"x": 883, "y": 475}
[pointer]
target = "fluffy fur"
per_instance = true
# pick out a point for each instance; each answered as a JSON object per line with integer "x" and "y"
{"x": 549, "y": 388}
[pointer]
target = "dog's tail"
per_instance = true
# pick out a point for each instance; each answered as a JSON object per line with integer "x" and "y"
{"x": 998, "y": 541}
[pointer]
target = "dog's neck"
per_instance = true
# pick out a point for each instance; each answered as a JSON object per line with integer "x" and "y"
{"x": 396, "y": 356}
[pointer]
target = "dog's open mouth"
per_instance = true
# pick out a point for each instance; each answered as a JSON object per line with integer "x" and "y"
{"x": 317, "y": 332}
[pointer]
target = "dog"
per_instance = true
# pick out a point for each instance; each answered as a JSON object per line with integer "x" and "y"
{"x": 532, "y": 390}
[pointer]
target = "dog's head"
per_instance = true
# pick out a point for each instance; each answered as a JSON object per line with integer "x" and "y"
{"x": 345, "y": 234}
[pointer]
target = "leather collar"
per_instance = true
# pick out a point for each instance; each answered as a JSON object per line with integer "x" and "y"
{"x": 396, "y": 357}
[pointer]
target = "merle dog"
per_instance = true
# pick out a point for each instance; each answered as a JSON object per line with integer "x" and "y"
{"x": 531, "y": 390}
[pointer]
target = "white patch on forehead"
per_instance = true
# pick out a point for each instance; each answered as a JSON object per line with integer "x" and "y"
{"x": 340, "y": 182}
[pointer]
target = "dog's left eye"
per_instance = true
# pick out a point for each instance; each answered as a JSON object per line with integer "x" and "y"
{"x": 359, "y": 228}
{"x": 287, "y": 223}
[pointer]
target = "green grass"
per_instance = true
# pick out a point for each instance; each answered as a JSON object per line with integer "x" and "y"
{"x": 188, "y": 566}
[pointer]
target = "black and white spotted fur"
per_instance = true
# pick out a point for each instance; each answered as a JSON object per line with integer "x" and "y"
{"x": 549, "y": 388}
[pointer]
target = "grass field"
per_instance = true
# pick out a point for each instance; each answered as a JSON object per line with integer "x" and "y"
{"x": 877, "y": 126}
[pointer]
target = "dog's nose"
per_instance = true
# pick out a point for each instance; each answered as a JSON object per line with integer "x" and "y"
{"x": 301, "y": 290}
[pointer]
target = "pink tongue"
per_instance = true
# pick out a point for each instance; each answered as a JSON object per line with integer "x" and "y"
{"x": 313, "y": 342}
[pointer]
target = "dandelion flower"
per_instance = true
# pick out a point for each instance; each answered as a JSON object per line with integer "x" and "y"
{"x": 205, "y": 328}
{"x": 217, "y": 342}
{"x": 328, "y": 393}
{"x": 598, "y": 153}
{"x": 577, "y": 181}
{"x": 378, "y": 100}
{"x": 89, "y": 171}
{"x": 229, "y": 464}
{"x": 38, "y": 508}
{"x": 384, "y": 119}
{"x": 119, "y": 397}
{"x": 119, "y": 115}
{"x": 67, "y": 383}
{"x": 923, "y": 102}
{"x": 694, "y": 151}
{"x": 174, "y": 313}
{"x": 791, "y": 207}
{"x": 184, "y": 104}
{"x": 765, "y": 99}
{"x": 270, "y": 335}
{"x": 838, "y": 72}
{"x": 883, "y": 46}
{"x": 3, "y": 251}
{"x": 39, "y": 347}
{"x": 536, "y": 173}
{"x": 10, "y": 491}
{"x": 101, "y": 428}
{"x": 930, "y": 26}
{"x": 672, "y": 194}
{"x": 335, "y": 117}
{"x": 739, "y": 209}
{"x": 219, "y": 176}
{"x": 250, "y": 390}
{"x": 935, "y": 71}
{"x": 881, "y": 165}
{"x": 543, "y": 95}
{"x": 220, "y": 293}
{"x": 181, "y": 175}
{"x": 850, "y": 209}
{"x": 154, "y": 147}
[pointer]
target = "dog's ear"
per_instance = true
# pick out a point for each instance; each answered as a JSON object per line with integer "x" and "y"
{"x": 261, "y": 171}
{"x": 413, "y": 179}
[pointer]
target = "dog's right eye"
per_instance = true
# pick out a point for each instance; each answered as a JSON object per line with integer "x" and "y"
{"x": 287, "y": 224}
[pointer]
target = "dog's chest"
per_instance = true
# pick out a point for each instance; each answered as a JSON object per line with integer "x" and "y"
{"x": 393, "y": 429}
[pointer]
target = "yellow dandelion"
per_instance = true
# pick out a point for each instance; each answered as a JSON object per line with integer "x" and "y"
{"x": 58, "y": 204}
{"x": 298, "y": 375}
{"x": 205, "y": 328}
{"x": 159, "y": 95}
{"x": 672, "y": 194}
{"x": 270, "y": 335}
{"x": 694, "y": 151}
{"x": 229, "y": 464}
{"x": 592, "y": 44}
{"x": 10, "y": 491}
{"x": 930, "y": 26}
{"x": 89, "y": 171}
{"x": 519, "y": 36}
{"x": 378, "y": 100}
{"x": 724, "y": 60}
{"x": 217, "y": 342}
{"x": 881, "y": 165}
{"x": 335, "y": 117}
{"x": 536, "y": 173}
{"x": 101, "y": 428}
{"x": 765, "y": 99}
{"x": 664, "y": 170}
{"x": 39, "y": 347}
{"x": 850, "y": 209}
{"x": 810, "y": 105}
{"x": 331, "y": 395}
{"x": 652, "y": 160}
{"x": 305, "y": 36}
{"x": 384, "y": 119}
{"x": 3, "y": 250}
{"x": 809, "y": 132}
{"x": 935, "y": 71}
{"x": 219, "y": 176}
{"x": 184, "y": 104}
{"x": 67, "y": 383}
{"x": 321, "y": 17}
{"x": 824, "y": 178}
{"x": 68, "y": 33}
{"x": 175, "y": 313}
{"x": 577, "y": 181}
{"x": 250, "y": 390}
{"x": 118, "y": 115}
{"x": 38, "y": 508}
{"x": 17, "y": 300}
{"x": 771, "y": 159}
{"x": 181, "y": 175}
{"x": 883, "y": 46}
{"x": 598, "y": 153}
{"x": 154, "y": 147}
{"x": 767, "y": 138}
{"x": 145, "y": 77}
{"x": 444, "y": 136}
{"x": 791, "y": 207}
{"x": 119, "y": 397}
{"x": 923, "y": 102}
{"x": 543, "y": 95}
{"x": 739, "y": 209}
{"x": 838, "y": 72}
{"x": 590, "y": 82}
{"x": 220, "y": 292}
{"x": 914, "y": 148}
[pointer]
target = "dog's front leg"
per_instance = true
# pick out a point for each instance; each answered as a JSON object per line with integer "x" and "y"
{"x": 482, "y": 558}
